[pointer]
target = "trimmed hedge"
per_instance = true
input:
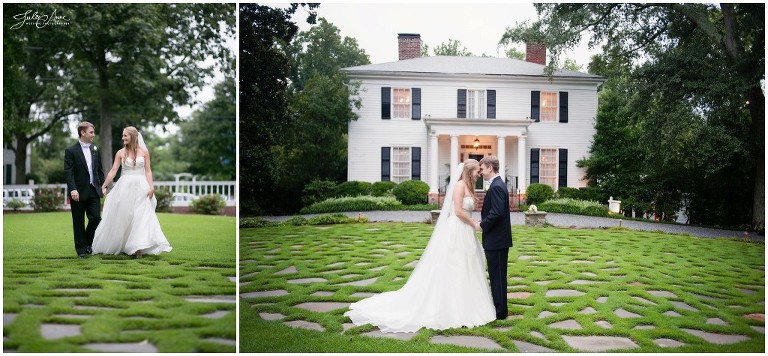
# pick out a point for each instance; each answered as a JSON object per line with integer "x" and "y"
{"x": 352, "y": 188}
{"x": 412, "y": 192}
{"x": 360, "y": 203}
{"x": 538, "y": 193}
{"x": 380, "y": 189}
{"x": 208, "y": 205}
{"x": 47, "y": 199}
{"x": 297, "y": 220}
{"x": 573, "y": 206}
{"x": 317, "y": 191}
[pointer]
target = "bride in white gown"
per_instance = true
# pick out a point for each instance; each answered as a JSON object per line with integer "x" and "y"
{"x": 129, "y": 223}
{"x": 448, "y": 288}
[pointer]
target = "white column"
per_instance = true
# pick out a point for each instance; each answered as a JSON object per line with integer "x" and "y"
{"x": 454, "y": 153}
{"x": 433, "y": 179}
{"x": 502, "y": 155}
{"x": 522, "y": 173}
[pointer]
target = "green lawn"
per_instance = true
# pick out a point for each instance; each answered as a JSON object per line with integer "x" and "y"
{"x": 119, "y": 299}
{"x": 611, "y": 269}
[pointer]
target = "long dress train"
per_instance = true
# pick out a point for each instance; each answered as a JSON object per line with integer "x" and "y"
{"x": 447, "y": 289}
{"x": 129, "y": 222}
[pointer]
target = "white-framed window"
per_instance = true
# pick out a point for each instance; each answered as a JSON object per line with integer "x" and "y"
{"x": 476, "y": 104}
{"x": 548, "y": 167}
{"x": 548, "y": 106}
{"x": 401, "y": 164}
{"x": 401, "y": 103}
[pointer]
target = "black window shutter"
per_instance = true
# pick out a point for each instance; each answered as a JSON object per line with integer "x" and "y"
{"x": 385, "y": 151}
{"x": 416, "y": 103}
{"x": 491, "y": 104}
{"x": 385, "y": 103}
{"x": 534, "y": 165}
{"x": 415, "y": 163}
{"x": 535, "y": 103}
{"x": 563, "y": 168}
{"x": 563, "y": 106}
{"x": 461, "y": 104}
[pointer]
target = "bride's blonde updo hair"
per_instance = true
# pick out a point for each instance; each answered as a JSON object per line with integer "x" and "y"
{"x": 466, "y": 176}
{"x": 133, "y": 142}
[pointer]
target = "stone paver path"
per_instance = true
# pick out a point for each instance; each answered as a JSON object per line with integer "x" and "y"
{"x": 599, "y": 343}
{"x": 141, "y": 347}
{"x": 469, "y": 341}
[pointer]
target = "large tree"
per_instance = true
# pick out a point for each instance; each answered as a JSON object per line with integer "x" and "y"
{"x": 701, "y": 64}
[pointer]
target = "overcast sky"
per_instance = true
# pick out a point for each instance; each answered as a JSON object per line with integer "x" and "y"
{"x": 478, "y": 27}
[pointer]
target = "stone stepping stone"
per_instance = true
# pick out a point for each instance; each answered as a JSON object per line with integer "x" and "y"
{"x": 322, "y": 307}
{"x": 581, "y": 261}
{"x": 362, "y": 263}
{"x": 503, "y": 329}
{"x": 288, "y": 270}
{"x": 566, "y": 324}
{"x": 582, "y": 281}
{"x": 76, "y": 289}
{"x": 612, "y": 269}
{"x": 543, "y": 283}
{"x": 621, "y": 313}
{"x": 588, "y": 310}
{"x": 219, "y": 340}
{"x": 58, "y": 331}
{"x": 524, "y": 257}
{"x": 334, "y": 271}
{"x": 557, "y": 304}
{"x": 522, "y": 306}
{"x": 757, "y": 316}
{"x": 212, "y": 299}
{"x": 412, "y": 264}
{"x": 603, "y": 324}
{"x": 519, "y": 295}
{"x": 74, "y": 316}
{"x": 563, "y": 293}
{"x": 538, "y": 335}
{"x": 672, "y": 313}
{"x": 516, "y": 278}
{"x": 705, "y": 297}
{"x": 467, "y": 341}
{"x": 602, "y": 299}
{"x": 643, "y": 300}
{"x": 351, "y": 275}
{"x": 545, "y": 314}
{"x": 322, "y": 294}
{"x": 682, "y": 305}
{"x": 307, "y": 280}
{"x": 301, "y": 324}
{"x": 599, "y": 343}
{"x": 364, "y": 282}
{"x": 141, "y": 347}
{"x": 362, "y": 294}
{"x": 8, "y": 318}
{"x": 266, "y": 293}
{"x": 644, "y": 327}
{"x": 590, "y": 274}
{"x": 662, "y": 293}
{"x": 403, "y": 253}
{"x": 271, "y": 316}
{"x": 232, "y": 279}
{"x": 249, "y": 274}
{"x": 717, "y": 321}
{"x": 720, "y": 339}
{"x": 323, "y": 227}
{"x": 335, "y": 264}
{"x": 397, "y": 336}
{"x": 760, "y": 329}
{"x": 635, "y": 284}
{"x": 347, "y": 326}
{"x": 527, "y": 347}
{"x": 746, "y": 291}
{"x": 217, "y": 314}
{"x": 91, "y": 307}
{"x": 376, "y": 269}
{"x": 518, "y": 286}
{"x": 398, "y": 279}
{"x": 667, "y": 342}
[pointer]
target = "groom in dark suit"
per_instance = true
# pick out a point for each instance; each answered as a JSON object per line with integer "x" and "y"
{"x": 82, "y": 169}
{"x": 497, "y": 233}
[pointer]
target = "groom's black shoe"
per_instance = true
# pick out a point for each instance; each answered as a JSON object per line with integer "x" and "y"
{"x": 88, "y": 250}
{"x": 82, "y": 256}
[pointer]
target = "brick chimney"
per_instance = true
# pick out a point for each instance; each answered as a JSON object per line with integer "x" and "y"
{"x": 409, "y": 45}
{"x": 536, "y": 52}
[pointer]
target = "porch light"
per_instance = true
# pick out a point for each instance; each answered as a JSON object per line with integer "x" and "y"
{"x": 477, "y": 143}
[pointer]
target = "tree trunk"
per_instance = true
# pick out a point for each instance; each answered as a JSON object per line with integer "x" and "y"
{"x": 105, "y": 126}
{"x": 21, "y": 159}
{"x": 757, "y": 111}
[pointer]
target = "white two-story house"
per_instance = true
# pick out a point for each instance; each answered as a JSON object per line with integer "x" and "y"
{"x": 422, "y": 116}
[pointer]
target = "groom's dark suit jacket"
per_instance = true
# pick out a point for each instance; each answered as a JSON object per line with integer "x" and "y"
{"x": 76, "y": 172}
{"x": 497, "y": 228}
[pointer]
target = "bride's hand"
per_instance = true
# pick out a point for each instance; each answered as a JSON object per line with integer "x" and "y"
{"x": 151, "y": 193}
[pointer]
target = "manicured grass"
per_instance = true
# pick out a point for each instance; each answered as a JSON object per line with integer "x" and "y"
{"x": 119, "y": 299}
{"x": 719, "y": 278}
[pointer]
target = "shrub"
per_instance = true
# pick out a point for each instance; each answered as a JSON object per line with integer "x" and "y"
{"x": 317, "y": 190}
{"x": 335, "y": 219}
{"x": 48, "y": 199}
{"x": 208, "y": 205}
{"x": 567, "y": 192}
{"x": 584, "y": 193}
{"x": 361, "y": 203}
{"x": 538, "y": 193}
{"x": 380, "y": 189}
{"x": 573, "y": 206}
{"x": 411, "y": 192}
{"x": 164, "y": 198}
{"x": 16, "y": 204}
{"x": 296, "y": 220}
{"x": 352, "y": 188}
{"x": 256, "y": 222}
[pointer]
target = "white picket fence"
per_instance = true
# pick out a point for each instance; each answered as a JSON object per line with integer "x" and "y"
{"x": 184, "y": 191}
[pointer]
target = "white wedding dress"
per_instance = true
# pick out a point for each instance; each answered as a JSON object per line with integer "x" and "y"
{"x": 447, "y": 289}
{"x": 129, "y": 222}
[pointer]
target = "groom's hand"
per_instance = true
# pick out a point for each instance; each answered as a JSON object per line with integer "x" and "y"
{"x": 75, "y": 195}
